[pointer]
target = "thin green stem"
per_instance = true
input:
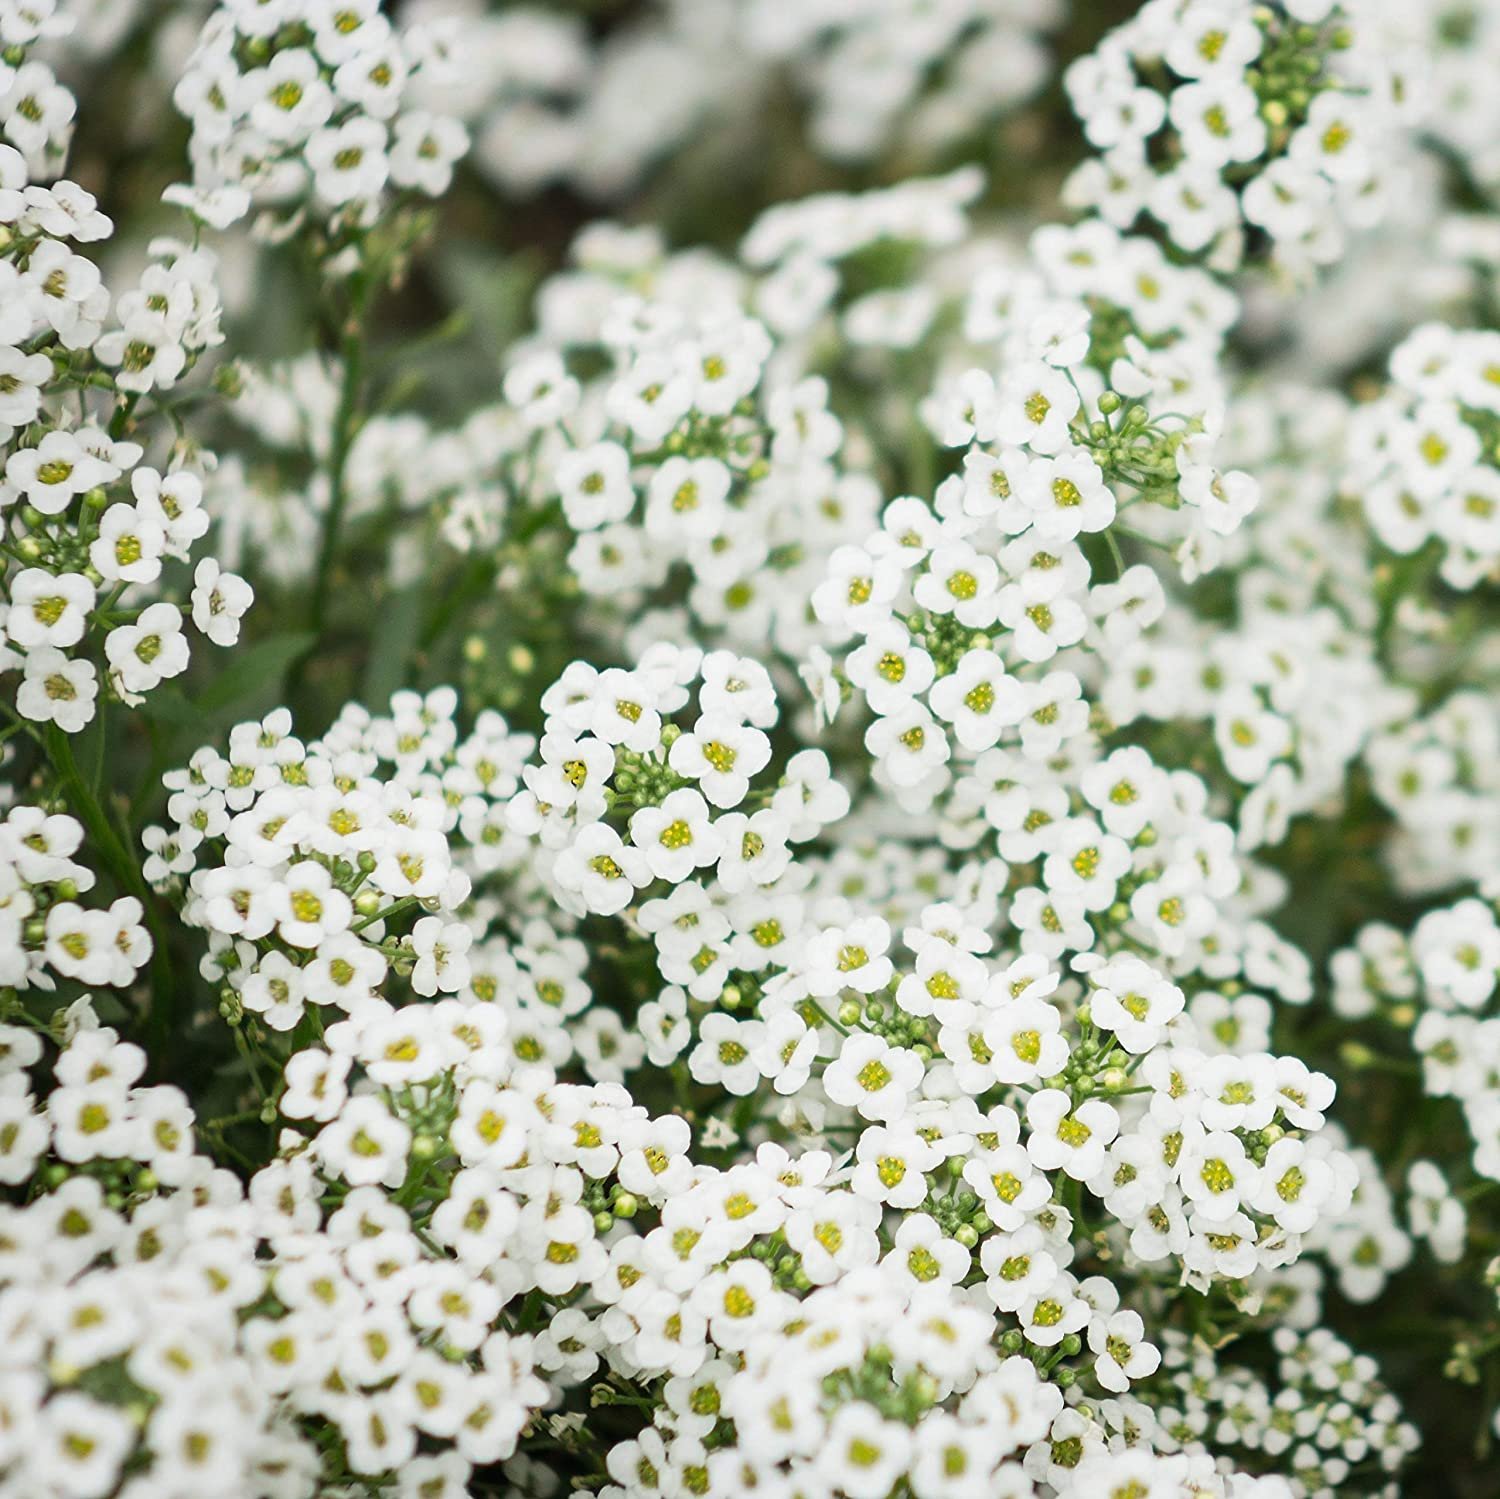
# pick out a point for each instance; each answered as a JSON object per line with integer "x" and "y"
{"x": 126, "y": 872}
{"x": 346, "y": 426}
{"x": 405, "y": 903}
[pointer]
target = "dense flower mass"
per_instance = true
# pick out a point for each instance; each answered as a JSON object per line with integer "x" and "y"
{"x": 832, "y": 838}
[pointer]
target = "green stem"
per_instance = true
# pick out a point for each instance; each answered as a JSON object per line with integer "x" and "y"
{"x": 127, "y": 875}
{"x": 344, "y": 428}
{"x": 405, "y": 903}
{"x": 346, "y": 424}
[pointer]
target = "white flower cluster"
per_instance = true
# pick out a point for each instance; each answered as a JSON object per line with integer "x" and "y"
{"x": 80, "y": 554}
{"x": 1325, "y": 1415}
{"x": 304, "y": 107}
{"x": 45, "y": 934}
{"x": 1289, "y": 681}
{"x": 1439, "y": 773}
{"x": 294, "y": 858}
{"x": 1222, "y": 119}
{"x": 551, "y": 103}
{"x": 844, "y": 1403}
{"x": 679, "y": 469}
{"x": 968, "y": 613}
{"x": 960, "y": 732}
{"x": 707, "y": 450}
{"x": 1444, "y": 976}
{"x": 1422, "y": 458}
{"x": 164, "y": 1329}
{"x": 927, "y": 1067}
{"x": 36, "y": 110}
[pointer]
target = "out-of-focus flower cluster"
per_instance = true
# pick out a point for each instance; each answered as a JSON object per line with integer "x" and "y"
{"x": 843, "y": 841}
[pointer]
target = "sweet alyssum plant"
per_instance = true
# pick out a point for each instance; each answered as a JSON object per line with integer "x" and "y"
{"x": 851, "y": 862}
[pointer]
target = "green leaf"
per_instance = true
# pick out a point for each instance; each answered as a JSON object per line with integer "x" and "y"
{"x": 494, "y": 290}
{"x": 170, "y": 705}
{"x": 252, "y": 671}
{"x": 255, "y": 671}
{"x": 393, "y": 641}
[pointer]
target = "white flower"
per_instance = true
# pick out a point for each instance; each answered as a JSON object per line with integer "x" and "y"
{"x": 1134, "y": 1001}
{"x": 889, "y": 668}
{"x": 47, "y": 609}
{"x": 220, "y": 600}
{"x": 890, "y": 1165}
{"x": 307, "y": 906}
{"x": 441, "y": 948}
{"x": 1074, "y": 1139}
{"x": 725, "y": 1054}
{"x": 287, "y": 99}
{"x": 1017, "y": 1267}
{"x": 365, "y": 1145}
{"x": 424, "y": 150}
{"x": 80, "y": 1445}
{"x": 909, "y": 745}
{"x": 687, "y": 498}
{"x": 56, "y": 470}
{"x": 57, "y": 690}
{"x": 961, "y": 582}
{"x": 129, "y": 546}
{"x": 849, "y": 957}
{"x": 1218, "y": 121}
{"x": 720, "y": 754}
{"x": 676, "y": 837}
{"x": 1024, "y": 1036}
{"x": 148, "y": 652}
{"x": 872, "y": 1077}
{"x": 755, "y": 850}
{"x": 1122, "y": 1354}
{"x": 1217, "y": 1176}
{"x": 603, "y": 871}
{"x": 1035, "y": 407}
{"x": 864, "y": 1453}
{"x": 276, "y": 990}
{"x": 594, "y": 485}
{"x": 980, "y": 699}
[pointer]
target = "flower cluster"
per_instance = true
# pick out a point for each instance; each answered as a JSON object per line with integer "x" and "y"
{"x": 45, "y": 934}
{"x": 36, "y": 110}
{"x": 1443, "y": 977}
{"x": 1222, "y": 119}
{"x": 1006, "y": 1073}
{"x": 1422, "y": 457}
{"x": 682, "y": 461}
{"x": 913, "y": 910}
{"x": 1326, "y": 1414}
{"x": 552, "y": 103}
{"x": 305, "y": 108}
{"x": 1287, "y": 679}
{"x": 296, "y": 858}
{"x": 187, "y": 1323}
{"x": 90, "y": 527}
{"x": 707, "y": 452}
